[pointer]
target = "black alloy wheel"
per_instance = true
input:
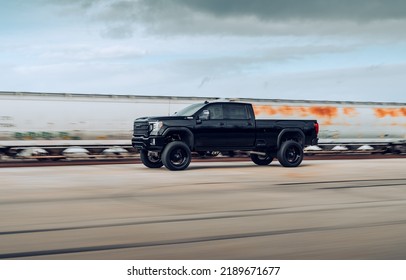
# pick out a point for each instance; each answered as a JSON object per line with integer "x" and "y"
{"x": 260, "y": 159}
{"x": 150, "y": 160}
{"x": 290, "y": 154}
{"x": 176, "y": 156}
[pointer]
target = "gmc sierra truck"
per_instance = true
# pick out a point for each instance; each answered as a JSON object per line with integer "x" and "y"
{"x": 227, "y": 127}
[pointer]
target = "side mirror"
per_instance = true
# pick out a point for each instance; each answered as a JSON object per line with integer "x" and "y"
{"x": 205, "y": 115}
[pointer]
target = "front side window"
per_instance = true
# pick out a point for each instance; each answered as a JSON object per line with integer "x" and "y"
{"x": 215, "y": 110}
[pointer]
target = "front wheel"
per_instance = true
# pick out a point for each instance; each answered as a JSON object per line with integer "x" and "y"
{"x": 176, "y": 156}
{"x": 261, "y": 160}
{"x": 290, "y": 154}
{"x": 150, "y": 160}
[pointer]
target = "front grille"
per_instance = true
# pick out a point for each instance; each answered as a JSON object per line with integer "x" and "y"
{"x": 141, "y": 128}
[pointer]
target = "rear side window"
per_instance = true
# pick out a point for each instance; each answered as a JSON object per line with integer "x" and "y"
{"x": 235, "y": 112}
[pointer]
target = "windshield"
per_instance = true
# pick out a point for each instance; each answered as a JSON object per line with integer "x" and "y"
{"x": 190, "y": 110}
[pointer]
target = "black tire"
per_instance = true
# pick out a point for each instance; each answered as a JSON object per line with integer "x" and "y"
{"x": 150, "y": 161}
{"x": 176, "y": 156}
{"x": 261, "y": 160}
{"x": 290, "y": 154}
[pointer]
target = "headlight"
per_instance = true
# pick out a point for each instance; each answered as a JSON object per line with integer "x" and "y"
{"x": 155, "y": 127}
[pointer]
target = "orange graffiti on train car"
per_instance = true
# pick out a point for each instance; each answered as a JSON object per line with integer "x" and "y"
{"x": 351, "y": 112}
{"x": 389, "y": 112}
{"x": 324, "y": 112}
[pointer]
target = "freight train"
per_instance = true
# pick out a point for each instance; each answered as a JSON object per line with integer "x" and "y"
{"x": 58, "y": 124}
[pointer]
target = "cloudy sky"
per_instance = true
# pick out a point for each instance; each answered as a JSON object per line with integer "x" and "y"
{"x": 313, "y": 49}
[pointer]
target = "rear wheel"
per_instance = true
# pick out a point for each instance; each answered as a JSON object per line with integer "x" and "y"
{"x": 176, "y": 156}
{"x": 290, "y": 154}
{"x": 150, "y": 160}
{"x": 261, "y": 160}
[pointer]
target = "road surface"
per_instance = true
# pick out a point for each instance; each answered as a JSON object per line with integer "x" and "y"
{"x": 338, "y": 209}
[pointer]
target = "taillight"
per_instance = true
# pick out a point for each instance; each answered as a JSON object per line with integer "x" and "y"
{"x": 316, "y": 127}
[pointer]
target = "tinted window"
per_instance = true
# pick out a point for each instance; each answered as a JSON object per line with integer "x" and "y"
{"x": 190, "y": 110}
{"x": 216, "y": 111}
{"x": 235, "y": 112}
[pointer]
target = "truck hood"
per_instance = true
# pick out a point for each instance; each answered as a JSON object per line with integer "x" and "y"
{"x": 161, "y": 118}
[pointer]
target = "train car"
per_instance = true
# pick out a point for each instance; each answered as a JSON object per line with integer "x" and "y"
{"x": 345, "y": 125}
{"x": 53, "y": 123}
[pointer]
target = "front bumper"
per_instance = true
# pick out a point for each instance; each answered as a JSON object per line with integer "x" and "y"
{"x": 151, "y": 143}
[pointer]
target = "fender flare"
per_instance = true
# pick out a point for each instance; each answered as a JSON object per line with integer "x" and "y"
{"x": 289, "y": 130}
{"x": 190, "y": 137}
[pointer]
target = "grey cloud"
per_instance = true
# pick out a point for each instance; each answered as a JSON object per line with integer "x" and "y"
{"x": 358, "y": 10}
{"x": 118, "y": 31}
{"x": 294, "y": 9}
{"x": 247, "y": 18}
{"x": 207, "y": 71}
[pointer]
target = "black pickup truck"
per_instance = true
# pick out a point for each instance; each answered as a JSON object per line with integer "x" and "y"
{"x": 226, "y": 127}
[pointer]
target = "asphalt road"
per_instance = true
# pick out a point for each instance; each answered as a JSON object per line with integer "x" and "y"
{"x": 344, "y": 209}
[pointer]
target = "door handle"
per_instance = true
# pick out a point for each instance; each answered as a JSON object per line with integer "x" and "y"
{"x": 221, "y": 123}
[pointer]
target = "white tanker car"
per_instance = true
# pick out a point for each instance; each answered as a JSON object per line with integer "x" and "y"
{"x": 51, "y": 123}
